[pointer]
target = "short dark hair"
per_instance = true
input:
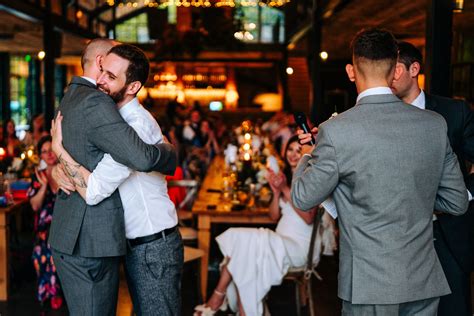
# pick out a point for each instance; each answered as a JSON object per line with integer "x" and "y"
{"x": 374, "y": 44}
{"x": 138, "y": 67}
{"x": 42, "y": 141}
{"x": 408, "y": 54}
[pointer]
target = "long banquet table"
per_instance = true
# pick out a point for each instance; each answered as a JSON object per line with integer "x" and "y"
{"x": 210, "y": 209}
{"x": 5, "y": 213}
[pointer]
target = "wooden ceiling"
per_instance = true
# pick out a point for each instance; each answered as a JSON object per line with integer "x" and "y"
{"x": 405, "y": 18}
{"x": 26, "y": 37}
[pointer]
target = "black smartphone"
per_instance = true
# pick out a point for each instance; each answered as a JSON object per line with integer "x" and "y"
{"x": 302, "y": 121}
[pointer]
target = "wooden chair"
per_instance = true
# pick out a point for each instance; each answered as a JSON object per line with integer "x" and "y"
{"x": 188, "y": 234}
{"x": 190, "y": 255}
{"x": 302, "y": 276}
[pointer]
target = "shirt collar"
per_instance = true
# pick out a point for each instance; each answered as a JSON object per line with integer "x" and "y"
{"x": 90, "y": 80}
{"x": 374, "y": 91}
{"x": 420, "y": 101}
{"x": 129, "y": 108}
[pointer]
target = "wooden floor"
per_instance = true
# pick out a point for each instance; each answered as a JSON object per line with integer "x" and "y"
{"x": 280, "y": 300}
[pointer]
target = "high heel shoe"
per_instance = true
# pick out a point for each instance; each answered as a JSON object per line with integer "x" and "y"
{"x": 204, "y": 310}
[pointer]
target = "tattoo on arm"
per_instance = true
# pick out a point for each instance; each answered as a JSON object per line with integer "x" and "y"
{"x": 72, "y": 171}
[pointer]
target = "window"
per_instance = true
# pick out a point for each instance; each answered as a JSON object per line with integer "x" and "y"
{"x": 134, "y": 30}
{"x": 18, "y": 80}
{"x": 260, "y": 24}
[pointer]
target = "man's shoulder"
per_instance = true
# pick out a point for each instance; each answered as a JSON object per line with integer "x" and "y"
{"x": 143, "y": 122}
{"x": 445, "y": 103}
{"x": 85, "y": 93}
{"x": 140, "y": 115}
{"x": 343, "y": 118}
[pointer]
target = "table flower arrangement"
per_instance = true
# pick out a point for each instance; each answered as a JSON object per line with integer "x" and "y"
{"x": 247, "y": 164}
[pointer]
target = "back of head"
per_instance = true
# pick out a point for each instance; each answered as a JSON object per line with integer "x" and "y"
{"x": 96, "y": 47}
{"x": 374, "y": 52}
{"x": 409, "y": 54}
{"x": 138, "y": 67}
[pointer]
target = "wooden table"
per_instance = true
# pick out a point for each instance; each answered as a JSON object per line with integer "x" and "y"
{"x": 222, "y": 213}
{"x": 5, "y": 213}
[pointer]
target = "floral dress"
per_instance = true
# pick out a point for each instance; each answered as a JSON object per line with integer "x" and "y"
{"x": 48, "y": 284}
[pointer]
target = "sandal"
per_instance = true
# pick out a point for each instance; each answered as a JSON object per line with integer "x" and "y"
{"x": 204, "y": 310}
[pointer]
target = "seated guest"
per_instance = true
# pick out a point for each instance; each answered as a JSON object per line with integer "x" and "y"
{"x": 192, "y": 131}
{"x": 37, "y": 131}
{"x": 176, "y": 194}
{"x": 42, "y": 194}
{"x": 279, "y": 128}
{"x": 13, "y": 144}
{"x": 209, "y": 139}
{"x": 257, "y": 259}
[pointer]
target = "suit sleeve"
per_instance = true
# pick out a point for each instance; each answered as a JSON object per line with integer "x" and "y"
{"x": 452, "y": 194}
{"x": 468, "y": 133}
{"x": 109, "y": 132}
{"x": 107, "y": 176}
{"x": 315, "y": 177}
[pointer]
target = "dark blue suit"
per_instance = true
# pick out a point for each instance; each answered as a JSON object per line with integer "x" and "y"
{"x": 454, "y": 234}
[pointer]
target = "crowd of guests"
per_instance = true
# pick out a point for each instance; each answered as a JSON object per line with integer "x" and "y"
{"x": 41, "y": 194}
{"x": 256, "y": 259}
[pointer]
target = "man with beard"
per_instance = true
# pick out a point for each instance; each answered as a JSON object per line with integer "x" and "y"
{"x": 155, "y": 254}
{"x": 88, "y": 241}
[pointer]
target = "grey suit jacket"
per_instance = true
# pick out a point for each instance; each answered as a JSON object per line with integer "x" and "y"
{"x": 388, "y": 165}
{"x": 93, "y": 126}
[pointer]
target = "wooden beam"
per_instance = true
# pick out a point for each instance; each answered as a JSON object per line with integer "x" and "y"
{"x": 5, "y": 85}
{"x": 128, "y": 16}
{"x": 32, "y": 13}
{"x": 49, "y": 45}
{"x": 23, "y": 10}
{"x": 317, "y": 110}
{"x": 439, "y": 38}
{"x": 98, "y": 11}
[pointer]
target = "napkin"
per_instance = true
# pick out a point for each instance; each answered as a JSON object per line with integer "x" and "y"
{"x": 272, "y": 164}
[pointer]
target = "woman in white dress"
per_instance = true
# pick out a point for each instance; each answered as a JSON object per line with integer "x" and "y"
{"x": 258, "y": 258}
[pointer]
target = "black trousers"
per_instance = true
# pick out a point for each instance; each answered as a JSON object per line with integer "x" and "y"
{"x": 459, "y": 301}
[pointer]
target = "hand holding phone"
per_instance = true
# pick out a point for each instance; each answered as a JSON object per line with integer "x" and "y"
{"x": 301, "y": 120}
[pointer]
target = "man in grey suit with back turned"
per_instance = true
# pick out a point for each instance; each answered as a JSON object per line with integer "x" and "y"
{"x": 387, "y": 165}
{"x": 87, "y": 241}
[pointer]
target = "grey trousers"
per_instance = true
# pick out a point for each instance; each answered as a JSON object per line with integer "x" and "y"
{"x": 90, "y": 285}
{"x": 428, "y": 307}
{"x": 154, "y": 274}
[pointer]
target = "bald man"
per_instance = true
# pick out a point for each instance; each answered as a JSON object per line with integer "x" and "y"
{"x": 88, "y": 241}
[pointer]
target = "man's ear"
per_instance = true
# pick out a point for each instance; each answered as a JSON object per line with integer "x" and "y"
{"x": 98, "y": 61}
{"x": 350, "y": 72}
{"x": 134, "y": 87}
{"x": 398, "y": 71}
{"x": 414, "y": 69}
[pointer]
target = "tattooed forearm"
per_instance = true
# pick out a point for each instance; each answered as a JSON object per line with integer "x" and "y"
{"x": 72, "y": 171}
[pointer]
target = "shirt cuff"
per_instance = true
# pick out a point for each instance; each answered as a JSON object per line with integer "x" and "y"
{"x": 469, "y": 196}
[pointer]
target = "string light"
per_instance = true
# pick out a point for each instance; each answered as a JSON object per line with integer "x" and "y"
{"x": 197, "y": 3}
{"x": 41, "y": 55}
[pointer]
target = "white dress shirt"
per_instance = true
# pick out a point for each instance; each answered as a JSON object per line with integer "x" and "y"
{"x": 90, "y": 80}
{"x": 147, "y": 206}
{"x": 420, "y": 101}
{"x": 374, "y": 91}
